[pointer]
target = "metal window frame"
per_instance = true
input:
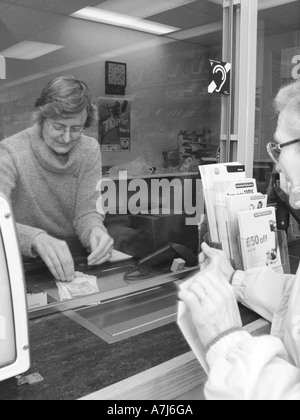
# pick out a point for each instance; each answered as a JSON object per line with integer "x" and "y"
{"x": 240, "y": 19}
{"x": 247, "y": 64}
{"x": 240, "y": 27}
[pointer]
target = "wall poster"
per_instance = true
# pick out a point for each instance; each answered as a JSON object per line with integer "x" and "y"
{"x": 114, "y": 124}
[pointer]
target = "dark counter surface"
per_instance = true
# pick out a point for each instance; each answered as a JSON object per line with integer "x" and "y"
{"x": 74, "y": 362}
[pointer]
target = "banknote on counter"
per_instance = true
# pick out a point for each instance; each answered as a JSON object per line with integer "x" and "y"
{"x": 82, "y": 285}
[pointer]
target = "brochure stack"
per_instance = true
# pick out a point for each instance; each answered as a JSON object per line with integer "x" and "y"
{"x": 239, "y": 220}
{"x": 224, "y": 190}
{"x": 211, "y": 174}
{"x": 235, "y": 205}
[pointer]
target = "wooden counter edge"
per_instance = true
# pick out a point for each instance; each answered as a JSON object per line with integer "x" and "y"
{"x": 167, "y": 381}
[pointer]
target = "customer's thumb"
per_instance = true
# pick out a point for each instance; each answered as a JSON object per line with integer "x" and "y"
{"x": 207, "y": 250}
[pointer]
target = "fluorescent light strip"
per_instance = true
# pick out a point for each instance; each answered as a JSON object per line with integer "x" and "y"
{"x": 124, "y": 21}
{"x": 28, "y": 50}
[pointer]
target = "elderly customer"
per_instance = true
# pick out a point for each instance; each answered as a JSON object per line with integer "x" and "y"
{"x": 243, "y": 367}
{"x": 50, "y": 172}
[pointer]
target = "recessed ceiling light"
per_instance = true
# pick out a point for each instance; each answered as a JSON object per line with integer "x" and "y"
{"x": 28, "y": 50}
{"x": 124, "y": 21}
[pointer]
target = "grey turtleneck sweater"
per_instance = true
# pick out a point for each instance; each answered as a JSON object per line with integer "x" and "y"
{"x": 50, "y": 193}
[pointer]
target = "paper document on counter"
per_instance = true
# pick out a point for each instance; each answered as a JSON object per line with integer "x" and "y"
{"x": 118, "y": 256}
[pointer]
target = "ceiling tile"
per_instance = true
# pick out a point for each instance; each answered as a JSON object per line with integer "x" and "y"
{"x": 24, "y": 23}
{"x": 141, "y": 8}
{"x": 194, "y": 14}
{"x": 65, "y": 7}
{"x": 185, "y": 18}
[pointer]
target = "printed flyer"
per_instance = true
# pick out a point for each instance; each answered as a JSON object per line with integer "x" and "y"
{"x": 236, "y": 204}
{"x": 223, "y": 190}
{"x": 259, "y": 239}
{"x": 114, "y": 124}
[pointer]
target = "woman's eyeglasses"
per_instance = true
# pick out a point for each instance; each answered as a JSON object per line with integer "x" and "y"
{"x": 274, "y": 149}
{"x": 61, "y": 129}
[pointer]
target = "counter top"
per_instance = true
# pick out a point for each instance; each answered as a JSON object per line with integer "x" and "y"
{"x": 75, "y": 363}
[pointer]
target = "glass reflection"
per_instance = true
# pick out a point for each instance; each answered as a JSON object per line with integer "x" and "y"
{"x": 158, "y": 134}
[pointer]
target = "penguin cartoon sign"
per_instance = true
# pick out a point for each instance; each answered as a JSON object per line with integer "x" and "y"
{"x": 219, "y": 77}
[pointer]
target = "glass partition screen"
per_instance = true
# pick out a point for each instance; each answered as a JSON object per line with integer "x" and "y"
{"x": 157, "y": 121}
{"x": 278, "y": 64}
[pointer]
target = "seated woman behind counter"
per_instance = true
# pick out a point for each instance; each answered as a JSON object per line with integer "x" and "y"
{"x": 50, "y": 173}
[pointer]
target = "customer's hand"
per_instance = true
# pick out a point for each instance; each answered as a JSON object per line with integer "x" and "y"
{"x": 214, "y": 259}
{"x": 102, "y": 246}
{"x": 56, "y": 255}
{"x": 213, "y": 305}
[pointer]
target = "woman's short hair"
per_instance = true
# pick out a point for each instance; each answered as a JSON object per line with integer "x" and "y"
{"x": 64, "y": 97}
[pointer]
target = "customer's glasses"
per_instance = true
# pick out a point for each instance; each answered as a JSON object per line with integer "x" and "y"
{"x": 274, "y": 149}
{"x": 61, "y": 129}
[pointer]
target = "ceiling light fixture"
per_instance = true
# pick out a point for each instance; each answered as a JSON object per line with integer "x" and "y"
{"x": 124, "y": 21}
{"x": 28, "y": 50}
